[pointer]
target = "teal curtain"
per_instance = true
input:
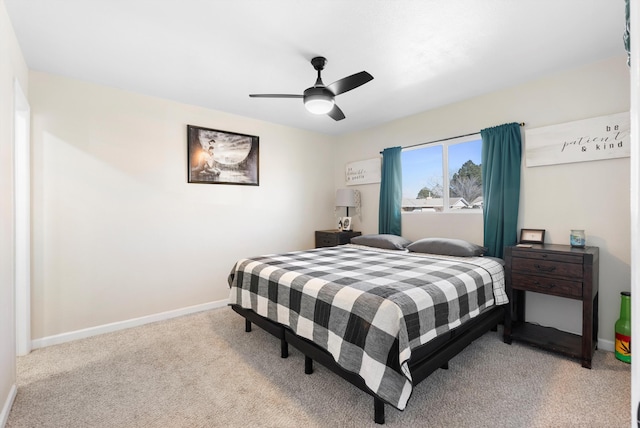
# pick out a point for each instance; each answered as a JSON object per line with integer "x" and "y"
{"x": 501, "y": 155}
{"x": 389, "y": 219}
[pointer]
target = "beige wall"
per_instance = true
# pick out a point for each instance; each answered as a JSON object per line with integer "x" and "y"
{"x": 118, "y": 233}
{"x": 12, "y": 66}
{"x": 590, "y": 195}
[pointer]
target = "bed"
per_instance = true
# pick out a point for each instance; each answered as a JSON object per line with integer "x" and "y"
{"x": 383, "y": 313}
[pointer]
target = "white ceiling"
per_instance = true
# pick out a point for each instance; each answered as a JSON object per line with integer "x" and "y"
{"x": 213, "y": 53}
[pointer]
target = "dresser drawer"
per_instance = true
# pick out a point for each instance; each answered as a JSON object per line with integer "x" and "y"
{"x": 326, "y": 240}
{"x": 546, "y": 285}
{"x": 556, "y": 257}
{"x": 547, "y": 267}
{"x": 331, "y": 238}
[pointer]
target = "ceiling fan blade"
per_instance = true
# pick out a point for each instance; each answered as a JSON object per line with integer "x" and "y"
{"x": 336, "y": 113}
{"x": 348, "y": 83}
{"x": 275, "y": 96}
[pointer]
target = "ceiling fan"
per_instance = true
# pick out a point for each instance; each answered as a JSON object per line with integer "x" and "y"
{"x": 319, "y": 99}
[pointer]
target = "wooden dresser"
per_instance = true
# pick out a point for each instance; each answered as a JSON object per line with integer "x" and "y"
{"x": 331, "y": 238}
{"x": 556, "y": 270}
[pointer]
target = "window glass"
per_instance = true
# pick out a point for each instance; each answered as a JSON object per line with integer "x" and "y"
{"x": 422, "y": 179}
{"x": 465, "y": 177}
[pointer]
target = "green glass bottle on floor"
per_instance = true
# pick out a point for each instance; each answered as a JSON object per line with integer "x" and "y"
{"x": 623, "y": 329}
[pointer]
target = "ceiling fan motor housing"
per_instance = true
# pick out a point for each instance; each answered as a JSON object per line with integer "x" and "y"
{"x": 319, "y": 62}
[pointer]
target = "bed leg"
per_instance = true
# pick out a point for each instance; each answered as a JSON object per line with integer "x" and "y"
{"x": 378, "y": 411}
{"x": 445, "y": 366}
{"x": 308, "y": 365}
{"x": 284, "y": 348}
{"x": 247, "y": 325}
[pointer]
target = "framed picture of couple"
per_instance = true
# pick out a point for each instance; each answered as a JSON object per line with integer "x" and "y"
{"x": 344, "y": 223}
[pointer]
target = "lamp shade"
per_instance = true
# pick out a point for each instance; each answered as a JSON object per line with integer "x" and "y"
{"x": 345, "y": 198}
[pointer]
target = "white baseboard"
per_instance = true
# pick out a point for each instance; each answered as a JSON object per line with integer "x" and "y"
{"x": 4, "y": 416}
{"x": 121, "y": 325}
{"x": 606, "y": 345}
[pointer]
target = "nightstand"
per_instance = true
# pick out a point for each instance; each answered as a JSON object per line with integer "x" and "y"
{"x": 331, "y": 238}
{"x": 556, "y": 270}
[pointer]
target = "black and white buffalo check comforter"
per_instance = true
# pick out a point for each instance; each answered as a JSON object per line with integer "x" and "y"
{"x": 362, "y": 304}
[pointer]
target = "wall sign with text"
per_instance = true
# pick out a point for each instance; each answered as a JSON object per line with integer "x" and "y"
{"x": 604, "y": 137}
{"x": 363, "y": 172}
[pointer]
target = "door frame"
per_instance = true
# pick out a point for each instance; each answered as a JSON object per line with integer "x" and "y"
{"x": 22, "y": 219}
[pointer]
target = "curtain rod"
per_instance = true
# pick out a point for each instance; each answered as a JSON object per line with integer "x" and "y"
{"x": 445, "y": 139}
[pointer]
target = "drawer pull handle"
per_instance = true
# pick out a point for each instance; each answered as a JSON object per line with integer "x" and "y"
{"x": 549, "y": 286}
{"x": 545, "y": 269}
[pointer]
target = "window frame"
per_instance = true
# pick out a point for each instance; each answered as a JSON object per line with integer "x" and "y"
{"x": 446, "y": 143}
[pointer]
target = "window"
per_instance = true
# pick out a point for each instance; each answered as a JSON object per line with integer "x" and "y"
{"x": 425, "y": 186}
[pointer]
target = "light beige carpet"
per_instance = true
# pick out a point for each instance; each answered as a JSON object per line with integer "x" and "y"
{"x": 203, "y": 370}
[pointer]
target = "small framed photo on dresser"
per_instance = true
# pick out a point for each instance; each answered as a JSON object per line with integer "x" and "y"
{"x": 531, "y": 236}
{"x": 346, "y": 224}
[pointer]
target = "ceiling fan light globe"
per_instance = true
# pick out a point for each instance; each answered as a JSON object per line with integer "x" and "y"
{"x": 318, "y": 104}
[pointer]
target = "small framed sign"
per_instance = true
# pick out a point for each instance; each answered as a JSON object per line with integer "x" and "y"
{"x": 363, "y": 172}
{"x": 532, "y": 236}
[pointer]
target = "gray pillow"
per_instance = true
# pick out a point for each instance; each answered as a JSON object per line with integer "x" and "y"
{"x": 384, "y": 241}
{"x": 447, "y": 247}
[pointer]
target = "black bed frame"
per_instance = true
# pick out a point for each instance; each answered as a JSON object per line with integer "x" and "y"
{"x": 425, "y": 359}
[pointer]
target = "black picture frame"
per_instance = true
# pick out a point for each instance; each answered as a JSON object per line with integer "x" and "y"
{"x": 532, "y": 236}
{"x": 222, "y": 157}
